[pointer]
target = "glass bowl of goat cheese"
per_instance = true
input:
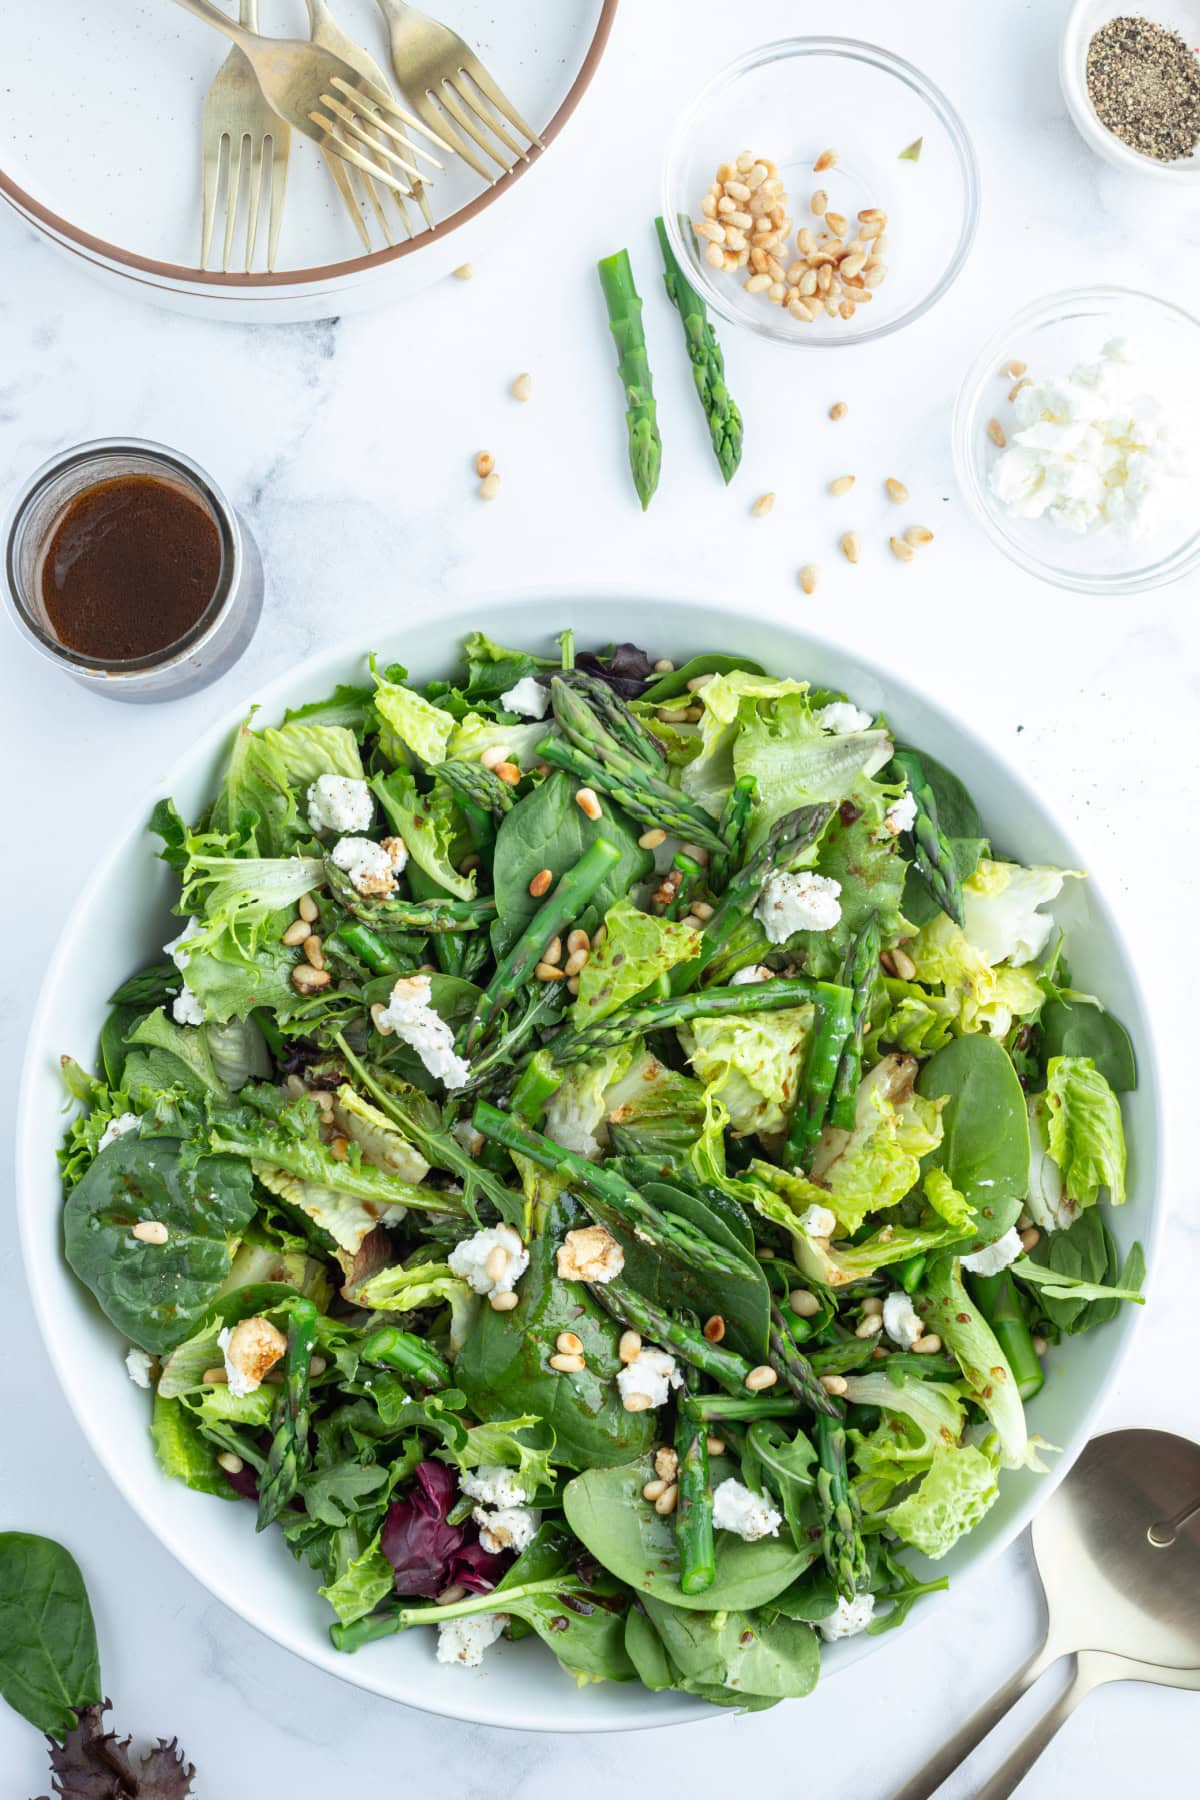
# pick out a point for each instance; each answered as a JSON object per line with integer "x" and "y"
{"x": 1077, "y": 440}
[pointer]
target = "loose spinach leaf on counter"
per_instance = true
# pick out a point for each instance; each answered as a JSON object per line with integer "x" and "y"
{"x": 49, "y": 1663}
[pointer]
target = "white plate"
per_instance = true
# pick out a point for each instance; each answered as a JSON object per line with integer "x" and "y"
{"x": 100, "y": 147}
{"x": 518, "y": 1685}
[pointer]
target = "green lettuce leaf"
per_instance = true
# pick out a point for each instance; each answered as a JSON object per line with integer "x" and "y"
{"x": 1056, "y": 1286}
{"x": 430, "y": 827}
{"x": 345, "y": 1217}
{"x": 865, "y": 861}
{"x": 873, "y": 1167}
{"x": 475, "y": 734}
{"x": 183, "y": 1452}
{"x": 751, "y": 1063}
{"x": 953, "y": 1496}
{"x": 948, "y": 1310}
{"x": 381, "y": 1143}
{"x": 917, "y": 1022}
{"x": 363, "y": 1583}
{"x": 1000, "y": 905}
{"x": 255, "y": 798}
{"x": 412, "y": 723}
{"x": 709, "y": 776}
{"x": 782, "y": 1199}
{"x": 1087, "y": 1137}
{"x": 578, "y": 1111}
{"x": 986, "y": 997}
{"x": 636, "y": 949}
{"x": 946, "y": 1200}
{"x": 795, "y": 762}
{"x": 401, "y": 1289}
{"x": 920, "y": 1421}
{"x": 308, "y": 750}
{"x": 654, "y": 1110}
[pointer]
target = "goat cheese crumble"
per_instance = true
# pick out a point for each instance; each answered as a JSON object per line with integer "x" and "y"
{"x": 493, "y": 1485}
{"x": 511, "y": 1528}
{"x": 817, "y": 1222}
{"x": 751, "y": 1516}
{"x": 647, "y": 1381}
{"x": 251, "y": 1348}
{"x": 339, "y": 803}
{"x": 409, "y": 1014}
{"x": 799, "y": 902}
{"x": 590, "y": 1254}
{"x": 994, "y": 1257}
{"x": 851, "y": 1617}
{"x": 372, "y": 867}
{"x": 744, "y": 977}
{"x": 186, "y": 1009}
{"x": 900, "y": 1321}
{"x": 842, "y": 716}
{"x": 175, "y": 949}
{"x": 527, "y": 697}
{"x": 139, "y": 1365}
{"x": 465, "y": 1640}
{"x": 469, "y": 1260}
{"x": 900, "y": 815}
{"x": 117, "y": 1128}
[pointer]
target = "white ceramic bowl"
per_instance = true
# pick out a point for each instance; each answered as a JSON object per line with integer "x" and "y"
{"x": 519, "y": 1685}
{"x": 1083, "y": 21}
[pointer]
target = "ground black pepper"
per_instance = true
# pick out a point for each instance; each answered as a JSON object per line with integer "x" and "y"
{"x": 1144, "y": 82}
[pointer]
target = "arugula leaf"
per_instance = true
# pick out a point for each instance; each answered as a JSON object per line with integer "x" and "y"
{"x": 1078, "y": 1277}
{"x": 49, "y": 1663}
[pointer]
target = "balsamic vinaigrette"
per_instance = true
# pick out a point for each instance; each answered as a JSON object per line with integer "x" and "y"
{"x": 129, "y": 567}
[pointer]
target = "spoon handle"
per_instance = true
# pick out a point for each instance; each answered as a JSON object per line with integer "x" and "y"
{"x": 1091, "y": 1668}
{"x": 968, "y": 1737}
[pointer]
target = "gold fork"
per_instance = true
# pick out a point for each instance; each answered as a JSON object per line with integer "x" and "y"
{"x": 236, "y": 114}
{"x": 325, "y": 31}
{"x": 439, "y": 73}
{"x": 298, "y": 79}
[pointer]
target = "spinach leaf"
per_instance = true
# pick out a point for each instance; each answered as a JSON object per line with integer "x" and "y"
{"x": 985, "y": 1131}
{"x": 605, "y": 1510}
{"x": 753, "y": 1653}
{"x": 715, "y": 1214}
{"x": 49, "y": 1663}
{"x": 1076, "y": 1025}
{"x": 546, "y": 830}
{"x": 668, "y": 686}
{"x": 1085, "y": 1252}
{"x": 504, "y": 1366}
{"x": 150, "y": 987}
{"x": 646, "y": 1651}
{"x": 666, "y": 1274}
{"x": 113, "y": 1040}
{"x": 813, "y": 1597}
{"x": 156, "y": 1293}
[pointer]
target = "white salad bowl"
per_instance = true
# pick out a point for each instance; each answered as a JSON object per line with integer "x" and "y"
{"x": 519, "y": 1685}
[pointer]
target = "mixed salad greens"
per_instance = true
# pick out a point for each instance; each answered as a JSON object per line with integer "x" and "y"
{"x": 608, "y": 1157}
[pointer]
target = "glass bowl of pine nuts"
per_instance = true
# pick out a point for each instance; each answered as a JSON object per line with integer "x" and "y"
{"x": 851, "y": 212}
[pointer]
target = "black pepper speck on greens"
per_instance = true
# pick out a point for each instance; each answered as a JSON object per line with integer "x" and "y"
{"x": 1144, "y": 82}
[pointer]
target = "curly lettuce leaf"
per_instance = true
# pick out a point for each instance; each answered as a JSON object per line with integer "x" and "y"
{"x": 782, "y": 1200}
{"x": 864, "y": 859}
{"x": 475, "y": 734}
{"x": 916, "y": 1022}
{"x": 411, "y": 724}
{"x": 948, "y": 1310}
{"x": 920, "y": 1421}
{"x": 709, "y": 775}
{"x": 636, "y": 949}
{"x": 795, "y": 762}
{"x": 946, "y": 1200}
{"x": 986, "y": 997}
{"x": 873, "y": 1167}
{"x": 430, "y": 826}
{"x": 366, "y": 1580}
{"x": 1086, "y": 1133}
{"x": 400, "y": 1289}
{"x": 954, "y": 1494}
{"x": 654, "y": 1110}
{"x": 751, "y": 1063}
{"x": 578, "y": 1111}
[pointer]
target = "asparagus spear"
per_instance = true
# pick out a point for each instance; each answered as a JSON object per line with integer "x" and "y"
{"x": 830, "y": 1031}
{"x": 367, "y": 946}
{"x": 841, "y": 1541}
{"x": 735, "y": 822}
{"x": 557, "y": 912}
{"x": 288, "y": 1455}
{"x": 787, "y": 837}
{"x": 625, "y": 322}
{"x": 408, "y": 1355}
{"x": 708, "y": 364}
{"x": 932, "y": 852}
{"x": 651, "y": 801}
{"x": 708, "y": 1003}
{"x": 997, "y": 1299}
{"x": 539, "y": 1082}
{"x": 610, "y": 717}
{"x": 694, "y": 1507}
{"x": 410, "y": 915}
{"x": 726, "y": 1367}
{"x": 860, "y": 972}
{"x": 796, "y": 1369}
{"x": 714, "y": 1409}
{"x": 476, "y": 786}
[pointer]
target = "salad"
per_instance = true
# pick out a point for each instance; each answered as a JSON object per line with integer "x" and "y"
{"x": 607, "y": 1155}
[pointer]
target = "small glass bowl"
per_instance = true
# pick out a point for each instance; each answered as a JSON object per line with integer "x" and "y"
{"x": 1051, "y": 336}
{"x": 792, "y": 100}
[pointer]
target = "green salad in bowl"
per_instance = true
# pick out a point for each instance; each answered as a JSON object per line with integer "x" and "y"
{"x": 609, "y": 1156}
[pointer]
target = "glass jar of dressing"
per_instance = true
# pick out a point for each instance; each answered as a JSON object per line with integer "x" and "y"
{"x": 125, "y": 563}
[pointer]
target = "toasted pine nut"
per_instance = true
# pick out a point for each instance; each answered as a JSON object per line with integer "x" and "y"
{"x": 650, "y": 840}
{"x": 900, "y": 550}
{"x": 552, "y": 954}
{"x": 577, "y": 960}
{"x": 709, "y": 206}
{"x": 541, "y": 883}
{"x": 489, "y": 487}
{"x": 296, "y": 933}
{"x": 841, "y": 485}
{"x": 916, "y": 535}
{"x": 762, "y": 1377}
{"x": 846, "y": 309}
{"x": 896, "y": 490}
{"x": 810, "y": 574}
{"x": 996, "y": 432}
{"x": 339, "y": 1148}
{"x": 702, "y": 911}
{"x": 804, "y": 1304}
{"x": 508, "y": 772}
{"x": 837, "y": 223}
{"x": 572, "y": 984}
{"x": 653, "y": 1489}
{"x": 503, "y": 1302}
{"x": 868, "y": 1325}
{"x": 709, "y": 229}
{"x": 851, "y": 546}
{"x": 666, "y": 1463}
{"x": 801, "y": 311}
{"x": 151, "y": 1231}
{"x": 758, "y": 284}
{"x": 819, "y": 204}
{"x": 307, "y": 980}
{"x": 637, "y": 1403}
{"x": 629, "y": 1346}
{"x": 588, "y": 804}
{"x": 905, "y": 967}
{"x": 1016, "y": 387}
{"x": 308, "y": 909}
{"x": 578, "y": 940}
{"x": 485, "y": 462}
{"x": 834, "y": 1384}
{"x": 567, "y": 1365}
{"x": 547, "y": 972}
{"x": 569, "y": 1343}
{"x": 806, "y": 243}
{"x": 1013, "y": 368}
{"x": 714, "y": 1328}
{"x": 313, "y": 951}
{"x": 522, "y": 387}
{"x": 214, "y": 1378}
{"x": 464, "y": 272}
{"x": 928, "y": 1344}
{"x": 1030, "y": 1237}
{"x": 873, "y": 1306}
{"x": 667, "y": 1501}
{"x": 826, "y": 160}
{"x": 450, "y": 1596}
{"x": 1040, "y": 1345}
{"x": 838, "y": 410}
{"x": 497, "y": 1263}
{"x": 231, "y": 1462}
{"x": 763, "y": 505}
{"x": 716, "y": 1446}
{"x": 853, "y": 265}
{"x": 714, "y": 256}
{"x": 495, "y": 753}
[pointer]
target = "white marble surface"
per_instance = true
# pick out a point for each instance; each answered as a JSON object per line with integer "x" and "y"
{"x": 348, "y": 448}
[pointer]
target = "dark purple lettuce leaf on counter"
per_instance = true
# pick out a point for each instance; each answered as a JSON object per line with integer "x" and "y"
{"x": 93, "y": 1764}
{"x": 627, "y": 670}
{"x": 426, "y": 1551}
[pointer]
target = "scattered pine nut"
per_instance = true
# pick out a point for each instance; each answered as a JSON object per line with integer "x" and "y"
{"x": 508, "y": 772}
{"x": 339, "y": 1148}
{"x": 851, "y": 545}
{"x": 1030, "y": 1237}
{"x": 522, "y": 387}
{"x": 572, "y": 984}
{"x": 575, "y": 962}
{"x": 307, "y": 980}
{"x": 841, "y": 485}
{"x": 903, "y": 964}
{"x": 869, "y": 1325}
{"x": 916, "y": 535}
{"x": 489, "y": 487}
{"x": 151, "y": 1231}
{"x": 837, "y": 223}
{"x": 838, "y": 410}
{"x": 664, "y": 666}
{"x": 567, "y": 1365}
{"x": 996, "y": 432}
{"x": 826, "y": 160}
{"x": 231, "y": 1462}
{"x": 295, "y": 934}
{"x": 819, "y": 204}
{"x": 1013, "y": 368}
{"x": 547, "y": 972}
{"x": 307, "y": 907}
{"x": 569, "y": 1343}
{"x": 552, "y": 954}
{"x": 803, "y": 1303}
{"x": 464, "y": 272}
{"x": 588, "y": 804}
{"x": 810, "y": 574}
{"x": 928, "y": 1344}
{"x": 214, "y": 1378}
{"x": 314, "y": 951}
{"x": 763, "y": 505}
{"x": 495, "y": 753}
{"x": 541, "y": 883}
{"x": 485, "y": 462}
{"x": 716, "y": 1446}
{"x": 667, "y": 1501}
{"x": 629, "y": 1346}
{"x": 714, "y": 1328}
{"x": 650, "y": 840}
{"x": 636, "y": 1403}
{"x": 653, "y": 1489}
{"x": 900, "y": 550}
{"x": 1016, "y": 387}
{"x": 496, "y": 1265}
{"x": 834, "y": 1384}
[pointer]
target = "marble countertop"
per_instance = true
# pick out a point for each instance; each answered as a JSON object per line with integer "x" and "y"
{"x": 347, "y": 446}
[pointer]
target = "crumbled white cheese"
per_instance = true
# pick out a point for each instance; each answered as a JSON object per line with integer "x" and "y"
{"x": 648, "y": 1380}
{"x": 528, "y": 697}
{"x": 493, "y": 1485}
{"x": 900, "y": 1321}
{"x": 900, "y": 815}
{"x": 511, "y": 1528}
{"x": 409, "y": 1014}
{"x": 339, "y": 803}
{"x": 842, "y": 716}
{"x": 817, "y": 1222}
{"x": 465, "y": 1640}
{"x": 140, "y": 1367}
{"x": 251, "y": 1348}
{"x": 744, "y": 977}
{"x": 799, "y": 902}
{"x": 1090, "y": 450}
{"x": 470, "y": 1258}
{"x": 117, "y": 1128}
{"x": 851, "y": 1617}
{"x": 994, "y": 1257}
{"x": 372, "y": 867}
{"x": 186, "y": 1009}
{"x": 750, "y": 1515}
{"x": 175, "y": 949}
{"x": 471, "y": 1140}
{"x": 590, "y": 1254}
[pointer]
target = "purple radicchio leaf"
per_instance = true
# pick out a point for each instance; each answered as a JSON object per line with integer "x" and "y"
{"x": 425, "y": 1550}
{"x": 627, "y": 671}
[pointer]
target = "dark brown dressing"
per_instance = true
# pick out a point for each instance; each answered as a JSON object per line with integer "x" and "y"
{"x": 129, "y": 567}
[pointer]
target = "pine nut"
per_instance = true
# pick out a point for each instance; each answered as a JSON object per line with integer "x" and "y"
{"x": 777, "y": 292}
{"x": 846, "y": 309}
{"x": 575, "y": 962}
{"x": 541, "y": 883}
{"x": 804, "y": 1304}
{"x": 928, "y": 1345}
{"x": 231, "y": 1462}
{"x": 838, "y": 410}
{"x": 629, "y": 1347}
{"x": 497, "y": 1263}
{"x": 763, "y": 505}
{"x": 547, "y": 972}
{"x": 653, "y": 1490}
{"x": 996, "y": 432}
{"x": 637, "y": 1403}
{"x": 714, "y": 1329}
{"x": 874, "y": 278}
{"x": 905, "y": 967}
{"x": 841, "y": 485}
{"x": 762, "y": 1377}
{"x": 737, "y": 190}
{"x": 896, "y": 490}
{"x": 464, "y": 272}
{"x": 826, "y": 160}
{"x": 295, "y": 934}
{"x": 1040, "y": 1345}
{"x": 552, "y": 954}
{"x": 690, "y": 922}
{"x": 872, "y": 215}
{"x": 1016, "y": 387}
{"x": 1013, "y": 368}
{"x": 868, "y": 1326}
{"x": 758, "y": 284}
{"x": 666, "y": 1463}
{"x": 314, "y": 951}
{"x": 450, "y": 1596}
{"x": 1030, "y": 1238}
{"x": 151, "y": 1231}
{"x": 916, "y": 535}
{"x": 873, "y": 1306}
{"x": 308, "y": 909}
{"x": 834, "y": 1384}
{"x": 586, "y": 801}
{"x": 716, "y": 1446}
{"x": 756, "y": 176}
{"x": 572, "y": 984}
{"x": 667, "y": 1501}
{"x": 851, "y": 546}
{"x": 339, "y": 1148}
{"x": 507, "y": 772}
{"x": 567, "y": 1365}
{"x": 853, "y": 265}
{"x": 801, "y": 311}
{"x": 837, "y": 223}
{"x": 650, "y": 840}
{"x": 714, "y": 256}
{"x": 214, "y": 1378}
{"x": 806, "y": 243}
{"x": 485, "y": 462}
{"x": 489, "y": 487}
{"x": 810, "y": 574}
{"x": 673, "y": 715}
{"x": 807, "y": 286}
{"x": 569, "y": 1343}
{"x": 496, "y": 753}
{"x": 819, "y": 204}
{"x": 710, "y": 207}
{"x": 522, "y": 387}
{"x": 307, "y": 980}
{"x": 900, "y": 550}
{"x": 503, "y": 1302}
{"x": 578, "y": 940}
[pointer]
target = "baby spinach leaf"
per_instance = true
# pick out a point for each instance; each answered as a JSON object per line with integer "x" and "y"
{"x": 155, "y": 1294}
{"x": 1085, "y": 1254}
{"x": 676, "y": 682}
{"x": 1076, "y": 1025}
{"x": 49, "y": 1663}
{"x": 752, "y": 1653}
{"x": 985, "y": 1130}
{"x": 585, "y": 1630}
{"x": 546, "y": 830}
{"x": 715, "y": 1214}
{"x": 605, "y": 1510}
{"x": 646, "y": 1651}
{"x": 504, "y": 1366}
